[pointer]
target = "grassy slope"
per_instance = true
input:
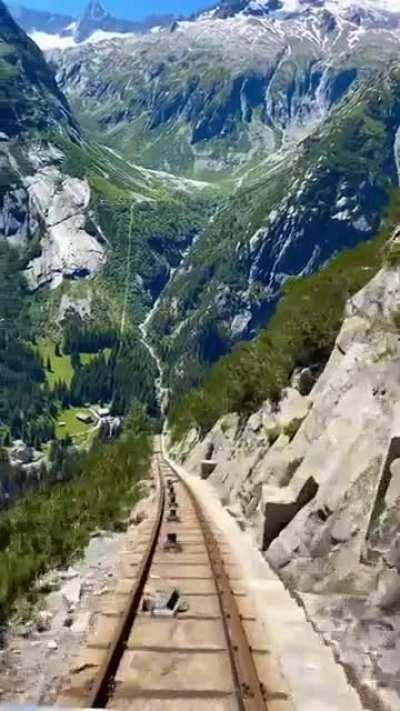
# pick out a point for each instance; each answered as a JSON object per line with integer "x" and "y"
{"x": 62, "y": 370}
{"x": 61, "y": 367}
{"x": 68, "y": 424}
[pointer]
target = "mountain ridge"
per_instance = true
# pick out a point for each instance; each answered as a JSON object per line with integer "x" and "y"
{"x": 293, "y": 8}
{"x": 52, "y": 29}
{"x": 159, "y": 99}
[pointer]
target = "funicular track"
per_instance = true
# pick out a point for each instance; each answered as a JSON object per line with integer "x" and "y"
{"x": 175, "y": 635}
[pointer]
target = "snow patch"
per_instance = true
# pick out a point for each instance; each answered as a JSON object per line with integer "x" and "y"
{"x": 47, "y": 41}
{"x": 102, "y": 36}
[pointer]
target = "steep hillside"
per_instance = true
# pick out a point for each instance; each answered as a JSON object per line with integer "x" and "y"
{"x": 281, "y": 223}
{"x": 88, "y": 242}
{"x": 29, "y": 96}
{"x": 314, "y": 473}
{"x": 31, "y": 107}
{"x": 208, "y": 95}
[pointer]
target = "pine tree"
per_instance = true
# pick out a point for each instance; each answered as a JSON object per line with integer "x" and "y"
{"x": 75, "y": 360}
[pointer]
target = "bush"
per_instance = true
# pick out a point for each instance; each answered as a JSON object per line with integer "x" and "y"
{"x": 292, "y": 428}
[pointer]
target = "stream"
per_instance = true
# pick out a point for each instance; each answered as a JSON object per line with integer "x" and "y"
{"x": 161, "y": 391}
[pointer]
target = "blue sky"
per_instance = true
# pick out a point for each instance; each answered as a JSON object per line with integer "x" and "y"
{"x": 133, "y": 9}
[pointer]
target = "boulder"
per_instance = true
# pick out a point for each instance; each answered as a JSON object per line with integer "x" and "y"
{"x": 43, "y": 622}
{"x": 280, "y": 505}
{"x": 21, "y": 453}
{"x": 393, "y": 491}
{"x": 388, "y": 593}
{"x": 392, "y": 557}
{"x": 81, "y": 624}
{"x": 235, "y": 510}
{"x": 293, "y": 408}
{"x": 69, "y": 574}
{"x": 344, "y": 528}
{"x": 140, "y": 513}
{"x": 71, "y": 591}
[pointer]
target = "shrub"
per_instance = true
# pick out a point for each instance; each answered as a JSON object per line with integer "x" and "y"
{"x": 292, "y": 428}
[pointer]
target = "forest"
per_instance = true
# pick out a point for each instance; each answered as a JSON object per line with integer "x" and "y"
{"x": 50, "y": 527}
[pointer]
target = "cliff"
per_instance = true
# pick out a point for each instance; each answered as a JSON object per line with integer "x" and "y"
{"x": 316, "y": 480}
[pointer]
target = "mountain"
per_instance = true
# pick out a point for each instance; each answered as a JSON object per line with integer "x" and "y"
{"x": 279, "y": 224}
{"x": 383, "y": 10}
{"x": 290, "y": 90}
{"x": 293, "y": 113}
{"x": 32, "y": 106}
{"x": 122, "y": 283}
{"x": 96, "y": 19}
{"x": 213, "y": 94}
{"x": 31, "y": 20}
{"x": 88, "y": 241}
{"x": 51, "y": 30}
{"x": 30, "y": 98}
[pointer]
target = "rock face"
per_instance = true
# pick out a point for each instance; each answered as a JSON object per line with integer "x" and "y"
{"x": 317, "y": 482}
{"x": 72, "y": 246}
{"x": 46, "y": 215}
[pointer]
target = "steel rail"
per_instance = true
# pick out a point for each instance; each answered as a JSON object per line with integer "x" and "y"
{"x": 102, "y": 688}
{"x": 251, "y": 695}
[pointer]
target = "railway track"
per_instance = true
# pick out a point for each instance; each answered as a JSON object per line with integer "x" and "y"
{"x": 178, "y": 633}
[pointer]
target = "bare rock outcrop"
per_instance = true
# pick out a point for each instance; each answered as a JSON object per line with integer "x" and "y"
{"x": 72, "y": 246}
{"x": 46, "y": 214}
{"x": 318, "y": 481}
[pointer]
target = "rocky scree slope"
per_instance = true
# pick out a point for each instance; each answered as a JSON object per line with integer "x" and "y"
{"x": 316, "y": 478}
{"x": 280, "y": 224}
{"x": 206, "y": 97}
